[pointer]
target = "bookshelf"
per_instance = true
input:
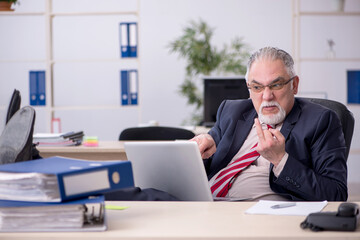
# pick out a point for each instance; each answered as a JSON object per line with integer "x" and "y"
{"x": 63, "y": 52}
{"x": 299, "y": 13}
{"x": 314, "y": 24}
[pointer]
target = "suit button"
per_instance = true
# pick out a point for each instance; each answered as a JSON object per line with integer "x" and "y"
{"x": 287, "y": 179}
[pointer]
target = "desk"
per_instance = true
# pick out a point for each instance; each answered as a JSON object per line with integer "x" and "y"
{"x": 107, "y": 150}
{"x": 194, "y": 220}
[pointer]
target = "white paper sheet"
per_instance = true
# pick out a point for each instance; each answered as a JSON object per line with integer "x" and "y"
{"x": 300, "y": 209}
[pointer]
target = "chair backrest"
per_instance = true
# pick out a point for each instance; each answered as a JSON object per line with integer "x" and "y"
{"x": 14, "y": 105}
{"x": 346, "y": 118}
{"x": 155, "y": 133}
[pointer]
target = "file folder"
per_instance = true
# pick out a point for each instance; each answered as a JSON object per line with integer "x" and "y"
{"x": 128, "y": 39}
{"x": 57, "y": 179}
{"x": 133, "y": 87}
{"x": 86, "y": 214}
{"x": 353, "y": 82}
{"x": 133, "y": 39}
{"x": 37, "y": 88}
{"x": 124, "y": 88}
{"x": 129, "y": 87}
{"x": 41, "y": 87}
{"x": 33, "y": 88}
{"x": 124, "y": 40}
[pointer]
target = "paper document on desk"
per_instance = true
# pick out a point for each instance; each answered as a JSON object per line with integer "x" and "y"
{"x": 299, "y": 209}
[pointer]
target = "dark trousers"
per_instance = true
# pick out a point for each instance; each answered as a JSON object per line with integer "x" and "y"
{"x": 138, "y": 194}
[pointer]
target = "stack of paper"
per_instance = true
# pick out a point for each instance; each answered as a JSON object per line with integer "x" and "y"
{"x": 58, "y": 139}
{"x": 29, "y": 187}
{"x": 85, "y": 215}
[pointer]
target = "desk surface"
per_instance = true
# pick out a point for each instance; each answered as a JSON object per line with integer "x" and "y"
{"x": 107, "y": 150}
{"x": 194, "y": 220}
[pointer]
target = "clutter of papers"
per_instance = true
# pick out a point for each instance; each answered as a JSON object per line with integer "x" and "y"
{"x": 58, "y": 139}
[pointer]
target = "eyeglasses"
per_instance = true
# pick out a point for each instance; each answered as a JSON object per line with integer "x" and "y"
{"x": 257, "y": 88}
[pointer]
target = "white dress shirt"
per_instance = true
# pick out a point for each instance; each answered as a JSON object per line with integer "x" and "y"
{"x": 253, "y": 182}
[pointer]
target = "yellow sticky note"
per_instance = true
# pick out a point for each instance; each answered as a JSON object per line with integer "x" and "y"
{"x": 115, "y": 207}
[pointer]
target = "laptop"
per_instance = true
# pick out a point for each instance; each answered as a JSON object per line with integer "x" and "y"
{"x": 175, "y": 167}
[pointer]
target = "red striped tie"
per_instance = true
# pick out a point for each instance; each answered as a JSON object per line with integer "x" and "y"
{"x": 226, "y": 177}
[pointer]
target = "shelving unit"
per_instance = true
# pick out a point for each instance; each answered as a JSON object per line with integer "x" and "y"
{"x": 297, "y": 15}
{"x": 50, "y": 62}
{"x": 320, "y": 72}
{"x": 301, "y": 60}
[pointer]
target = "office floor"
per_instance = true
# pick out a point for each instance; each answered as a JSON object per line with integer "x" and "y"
{"x": 354, "y": 192}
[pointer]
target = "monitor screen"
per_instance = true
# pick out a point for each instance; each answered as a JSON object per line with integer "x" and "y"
{"x": 217, "y": 89}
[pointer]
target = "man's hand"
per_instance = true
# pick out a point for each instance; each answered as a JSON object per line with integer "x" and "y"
{"x": 206, "y": 145}
{"x": 271, "y": 144}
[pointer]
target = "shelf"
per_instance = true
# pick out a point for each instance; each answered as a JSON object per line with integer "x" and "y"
{"x": 21, "y": 60}
{"x": 93, "y": 13}
{"x": 329, "y": 59}
{"x": 329, "y": 13}
{"x": 21, "y": 13}
{"x": 95, "y": 60}
{"x": 14, "y": 13}
{"x": 93, "y": 107}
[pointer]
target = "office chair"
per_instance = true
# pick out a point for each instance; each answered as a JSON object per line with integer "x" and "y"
{"x": 346, "y": 118}
{"x": 155, "y": 133}
{"x": 14, "y": 105}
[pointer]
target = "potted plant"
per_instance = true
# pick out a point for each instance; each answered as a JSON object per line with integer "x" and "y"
{"x": 5, "y": 5}
{"x": 203, "y": 59}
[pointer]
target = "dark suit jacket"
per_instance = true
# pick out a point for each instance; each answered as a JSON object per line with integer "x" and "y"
{"x": 316, "y": 168}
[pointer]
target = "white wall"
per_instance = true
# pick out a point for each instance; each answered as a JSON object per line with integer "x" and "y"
{"x": 162, "y": 21}
{"x": 96, "y": 81}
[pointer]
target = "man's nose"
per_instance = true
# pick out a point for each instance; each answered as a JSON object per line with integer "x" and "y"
{"x": 268, "y": 94}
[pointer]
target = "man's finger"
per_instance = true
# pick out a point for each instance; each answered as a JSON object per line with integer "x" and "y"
{"x": 268, "y": 135}
{"x": 259, "y": 130}
{"x": 208, "y": 153}
{"x": 278, "y": 135}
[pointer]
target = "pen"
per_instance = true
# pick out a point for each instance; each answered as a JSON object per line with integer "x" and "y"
{"x": 283, "y": 205}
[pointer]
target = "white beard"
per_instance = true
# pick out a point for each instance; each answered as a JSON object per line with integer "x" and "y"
{"x": 274, "y": 118}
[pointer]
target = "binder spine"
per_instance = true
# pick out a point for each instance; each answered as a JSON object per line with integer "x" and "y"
{"x": 124, "y": 87}
{"x": 37, "y": 88}
{"x": 128, "y": 39}
{"x": 353, "y": 85}
{"x": 133, "y": 80}
{"x": 101, "y": 180}
{"x": 33, "y": 88}
{"x": 129, "y": 87}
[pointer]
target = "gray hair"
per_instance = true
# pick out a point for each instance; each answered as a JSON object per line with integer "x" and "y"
{"x": 272, "y": 53}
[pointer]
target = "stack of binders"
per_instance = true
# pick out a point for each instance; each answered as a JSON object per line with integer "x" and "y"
{"x": 58, "y": 139}
{"x": 59, "y": 194}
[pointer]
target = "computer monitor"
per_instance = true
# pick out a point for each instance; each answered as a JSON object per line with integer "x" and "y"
{"x": 217, "y": 89}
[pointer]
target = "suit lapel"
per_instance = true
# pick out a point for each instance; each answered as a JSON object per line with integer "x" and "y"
{"x": 242, "y": 129}
{"x": 291, "y": 120}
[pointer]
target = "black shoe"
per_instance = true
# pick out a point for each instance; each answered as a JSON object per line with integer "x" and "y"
{"x": 16, "y": 139}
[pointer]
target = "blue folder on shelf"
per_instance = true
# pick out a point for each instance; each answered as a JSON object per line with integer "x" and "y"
{"x": 87, "y": 214}
{"x": 128, "y": 39}
{"x": 57, "y": 179}
{"x": 37, "y": 88}
{"x": 129, "y": 87}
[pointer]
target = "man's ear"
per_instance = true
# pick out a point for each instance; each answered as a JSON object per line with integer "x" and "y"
{"x": 295, "y": 85}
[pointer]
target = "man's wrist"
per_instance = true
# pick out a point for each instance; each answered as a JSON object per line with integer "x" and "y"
{"x": 278, "y": 169}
